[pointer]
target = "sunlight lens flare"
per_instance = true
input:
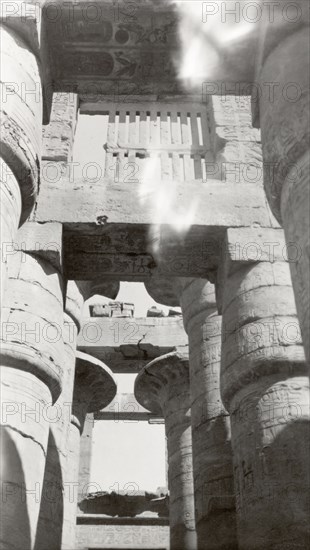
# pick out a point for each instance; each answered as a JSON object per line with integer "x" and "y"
{"x": 208, "y": 32}
{"x": 161, "y": 196}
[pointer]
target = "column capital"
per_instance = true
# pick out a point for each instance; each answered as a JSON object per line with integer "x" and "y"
{"x": 198, "y": 298}
{"x": 94, "y": 387}
{"x": 193, "y": 295}
{"x": 247, "y": 246}
{"x": 282, "y": 110}
{"x": 43, "y": 240}
{"x": 164, "y": 290}
{"x": 158, "y": 377}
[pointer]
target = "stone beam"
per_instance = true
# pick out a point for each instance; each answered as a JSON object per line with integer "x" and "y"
{"x": 108, "y": 47}
{"x": 108, "y": 232}
{"x": 125, "y": 407}
{"x": 126, "y": 345}
{"x": 120, "y": 47}
{"x": 130, "y": 47}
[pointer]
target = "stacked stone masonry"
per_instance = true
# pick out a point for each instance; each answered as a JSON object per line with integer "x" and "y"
{"x": 218, "y": 228}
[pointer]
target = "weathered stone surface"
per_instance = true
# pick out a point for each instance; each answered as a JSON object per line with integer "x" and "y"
{"x": 109, "y": 234}
{"x": 43, "y": 240}
{"x": 285, "y": 123}
{"x": 86, "y": 450}
{"x": 109, "y": 289}
{"x": 11, "y": 206}
{"x": 246, "y": 246}
{"x": 212, "y": 454}
{"x": 27, "y": 21}
{"x": 154, "y": 311}
{"x": 112, "y": 309}
{"x": 110, "y": 221}
{"x": 94, "y": 388}
{"x": 264, "y": 386}
{"x": 31, "y": 377}
{"x": 295, "y": 200}
{"x": 58, "y": 135}
{"x": 163, "y": 387}
{"x": 164, "y": 290}
{"x": 236, "y": 144}
{"x": 284, "y": 115}
{"x": 55, "y": 516}
{"x": 143, "y": 533}
{"x": 124, "y": 504}
{"x": 20, "y": 137}
{"x": 131, "y": 47}
{"x": 127, "y": 345}
{"x": 21, "y": 115}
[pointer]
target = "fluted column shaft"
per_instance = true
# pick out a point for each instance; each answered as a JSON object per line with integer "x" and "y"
{"x": 212, "y": 453}
{"x": 20, "y": 137}
{"x": 285, "y": 125}
{"x": 31, "y": 379}
{"x": 266, "y": 391}
{"x": 163, "y": 387}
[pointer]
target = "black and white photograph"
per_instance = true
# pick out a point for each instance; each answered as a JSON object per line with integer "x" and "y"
{"x": 155, "y": 274}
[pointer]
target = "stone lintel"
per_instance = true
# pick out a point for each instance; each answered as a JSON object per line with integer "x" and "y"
{"x": 126, "y": 345}
{"x": 245, "y": 246}
{"x": 157, "y": 375}
{"x": 43, "y": 240}
{"x": 108, "y": 232}
{"x": 130, "y": 48}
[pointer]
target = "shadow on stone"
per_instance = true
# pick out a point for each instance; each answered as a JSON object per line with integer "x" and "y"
{"x": 49, "y": 532}
{"x": 14, "y": 517}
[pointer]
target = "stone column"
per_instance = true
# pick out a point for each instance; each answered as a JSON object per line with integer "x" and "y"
{"x": 85, "y": 456}
{"x": 52, "y": 517}
{"x": 162, "y": 386}
{"x": 283, "y": 115}
{"x": 94, "y": 389}
{"x": 212, "y": 453}
{"x": 55, "y": 515}
{"x": 21, "y": 113}
{"x": 31, "y": 380}
{"x": 265, "y": 388}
